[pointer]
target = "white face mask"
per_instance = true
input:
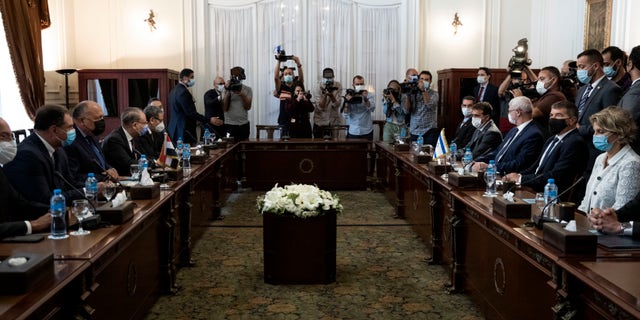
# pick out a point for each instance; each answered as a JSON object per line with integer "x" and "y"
{"x": 359, "y": 88}
{"x": 511, "y": 119}
{"x": 8, "y": 151}
{"x": 476, "y": 122}
{"x": 221, "y": 87}
{"x": 480, "y": 79}
{"x": 540, "y": 88}
{"x": 160, "y": 127}
{"x": 466, "y": 112}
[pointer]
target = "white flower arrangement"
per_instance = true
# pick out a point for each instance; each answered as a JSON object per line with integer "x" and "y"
{"x": 300, "y": 200}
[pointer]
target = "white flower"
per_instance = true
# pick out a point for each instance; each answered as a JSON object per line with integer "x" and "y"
{"x": 301, "y": 200}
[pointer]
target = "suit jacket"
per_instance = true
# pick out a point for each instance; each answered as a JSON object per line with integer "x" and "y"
{"x": 117, "y": 152}
{"x": 213, "y": 108}
{"x": 12, "y": 229}
{"x": 631, "y": 102}
{"x": 566, "y": 162}
{"x": 83, "y": 159}
{"x": 606, "y": 93}
{"x": 32, "y": 172}
{"x": 464, "y": 133}
{"x": 484, "y": 141}
{"x": 150, "y": 145}
{"x": 522, "y": 152}
{"x": 184, "y": 116}
{"x": 490, "y": 96}
{"x": 14, "y": 207}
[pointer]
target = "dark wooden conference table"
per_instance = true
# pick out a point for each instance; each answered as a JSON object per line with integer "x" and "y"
{"x": 118, "y": 272}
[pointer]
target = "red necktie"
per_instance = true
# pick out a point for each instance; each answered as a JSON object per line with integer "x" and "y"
{"x": 480, "y": 93}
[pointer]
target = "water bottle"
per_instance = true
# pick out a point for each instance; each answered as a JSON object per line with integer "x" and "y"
{"x": 143, "y": 164}
{"x": 550, "y": 195}
{"x": 179, "y": 146}
{"x": 490, "y": 179}
{"x": 467, "y": 159}
{"x": 453, "y": 148}
{"x": 419, "y": 143}
{"x": 59, "y": 216}
{"x": 186, "y": 160}
{"x": 206, "y": 137}
{"x": 91, "y": 190}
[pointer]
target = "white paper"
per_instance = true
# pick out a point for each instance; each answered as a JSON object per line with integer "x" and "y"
{"x": 571, "y": 226}
{"x": 146, "y": 180}
{"x": 119, "y": 199}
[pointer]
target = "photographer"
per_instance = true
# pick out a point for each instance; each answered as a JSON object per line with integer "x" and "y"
{"x": 284, "y": 89}
{"x": 511, "y": 87}
{"x": 299, "y": 108}
{"x": 569, "y": 81}
{"x": 421, "y": 103}
{"x": 394, "y": 113}
{"x": 357, "y": 109}
{"x": 327, "y": 103}
{"x": 236, "y": 105}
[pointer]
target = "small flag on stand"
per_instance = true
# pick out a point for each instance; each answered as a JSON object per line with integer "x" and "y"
{"x": 168, "y": 156}
{"x": 442, "y": 147}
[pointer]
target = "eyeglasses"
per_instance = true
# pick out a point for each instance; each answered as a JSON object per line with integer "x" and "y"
{"x": 7, "y": 136}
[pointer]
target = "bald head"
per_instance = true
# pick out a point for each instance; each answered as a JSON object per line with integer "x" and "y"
{"x": 88, "y": 117}
{"x": 410, "y": 72}
{"x": 5, "y": 131}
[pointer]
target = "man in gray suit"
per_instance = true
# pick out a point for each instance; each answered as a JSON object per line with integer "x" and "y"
{"x": 631, "y": 100}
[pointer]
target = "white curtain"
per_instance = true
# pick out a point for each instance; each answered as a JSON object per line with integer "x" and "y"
{"x": 345, "y": 35}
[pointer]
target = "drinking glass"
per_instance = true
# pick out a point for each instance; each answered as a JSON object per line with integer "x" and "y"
{"x": 539, "y": 203}
{"x": 80, "y": 210}
{"x": 490, "y": 180}
{"x": 135, "y": 171}
{"x": 109, "y": 190}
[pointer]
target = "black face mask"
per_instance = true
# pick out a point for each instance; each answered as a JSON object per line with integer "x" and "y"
{"x": 99, "y": 127}
{"x": 557, "y": 125}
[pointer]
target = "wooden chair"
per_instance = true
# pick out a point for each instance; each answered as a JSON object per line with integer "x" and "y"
{"x": 270, "y": 129}
{"x": 380, "y": 124}
{"x": 20, "y": 135}
{"x": 339, "y": 131}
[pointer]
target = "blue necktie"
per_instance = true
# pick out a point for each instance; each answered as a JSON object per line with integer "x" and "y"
{"x": 97, "y": 152}
{"x": 547, "y": 153}
{"x": 583, "y": 100}
{"x": 504, "y": 149}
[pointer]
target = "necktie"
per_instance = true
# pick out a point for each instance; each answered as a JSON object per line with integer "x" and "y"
{"x": 504, "y": 149}
{"x": 480, "y": 93}
{"x": 96, "y": 151}
{"x": 546, "y": 154}
{"x": 133, "y": 146}
{"x": 583, "y": 100}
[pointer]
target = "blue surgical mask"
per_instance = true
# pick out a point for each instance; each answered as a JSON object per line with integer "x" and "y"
{"x": 583, "y": 76}
{"x": 610, "y": 72}
{"x": 601, "y": 142}
{"x": 191, "y": 83}
{"x": 71, "y": 136}
{"x": 288, "y": 78}
{"x": 426, "y": 85}
{"x": 144, "y": 130}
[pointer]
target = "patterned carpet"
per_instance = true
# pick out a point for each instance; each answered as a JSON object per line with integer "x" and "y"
{"x": 381, "y": 273}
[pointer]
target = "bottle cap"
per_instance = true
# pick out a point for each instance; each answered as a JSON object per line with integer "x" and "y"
{"x": 492, "y": 162}
{"x": 90, "y": 175}
{"x": 551, "y": 181}
{"x": 57, "y": 191}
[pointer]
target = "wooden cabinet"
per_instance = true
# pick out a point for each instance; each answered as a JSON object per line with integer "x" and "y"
{"x": 117, "y": 89}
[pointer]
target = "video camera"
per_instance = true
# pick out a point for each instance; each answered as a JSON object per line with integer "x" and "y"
{"x": 281, "y": 55}
{"x": 410, "y": 86}
{"x": 327, "y": 75}
{"x": 520, "y": 59}
{"x": 570, "y": 80}
{"x": 528, "y": 89}
{"x": 356, "y": 96}
{"x": 237, "y": 75}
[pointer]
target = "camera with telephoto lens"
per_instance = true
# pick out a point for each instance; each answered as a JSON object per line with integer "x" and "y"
{"x": 237, "y": 75}
{"x": 328, "y": 87}
{"x": 356, "y": 96}
{"x": 307, "y": 95}
{"x": 410, "y": 86}
{"x": 520, "y": 59}
{"x": 528, "y": 89}
{"x": 282, "y": 56}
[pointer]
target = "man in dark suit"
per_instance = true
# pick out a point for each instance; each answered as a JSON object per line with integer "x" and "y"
{"x": 465, "y": 128}
{"x": 150, "y": 144}
{"x": 487, "y": 136}
{"x": 631, "y": 100}
{"x": 213, "y": 107}
{"x": 184, "y": 115}
{"x": 119, "y": 146}
{"x": 521, "y": 146}
{"x": 597, "y": 93}
{"x": 564, "y": 155}
{"x": 487, "y": 92}
{"x": 84, "y": 153}
{"x": 41, "y": 161}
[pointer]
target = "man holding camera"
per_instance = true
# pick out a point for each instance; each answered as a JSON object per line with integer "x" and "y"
{"x": 236, "y": 105}
{"x": 285, "y": 84}
{"x": 421, "y": 102}
{"x": 357, "y": 109}
{"x": 327, "y": 103}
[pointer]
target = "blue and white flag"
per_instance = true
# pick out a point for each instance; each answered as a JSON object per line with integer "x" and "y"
{"x": 442, "y": 147}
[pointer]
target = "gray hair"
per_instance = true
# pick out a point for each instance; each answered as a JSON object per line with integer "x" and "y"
{"x": 130, "y": 115}
{"x": 152, "y": 112}
{"x": 521, "y": 103}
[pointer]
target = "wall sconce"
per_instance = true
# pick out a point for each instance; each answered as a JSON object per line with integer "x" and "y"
{"x": 456, "y": 23}
{"x": 150, "y": 20}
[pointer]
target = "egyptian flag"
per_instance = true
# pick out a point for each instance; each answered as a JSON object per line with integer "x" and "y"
{"x": 168, "y": 155}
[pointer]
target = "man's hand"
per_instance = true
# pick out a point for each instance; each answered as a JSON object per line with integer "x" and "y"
{"x": 112, "y": 173}
{"x": 479, "y": 166}
{"x": 513, "y": 177}
{"x": 516, "y": 92}
{"x": 41, "y": 224}
{"x": 216, "y": 121}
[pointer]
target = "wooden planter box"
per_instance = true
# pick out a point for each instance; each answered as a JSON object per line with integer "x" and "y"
{"x": 299, "y": 251}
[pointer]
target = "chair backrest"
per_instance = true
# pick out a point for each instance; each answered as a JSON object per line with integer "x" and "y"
{"x": 270, "y": 129}
{"x": 20, "y": 135}
{"x": 339, "y": 131}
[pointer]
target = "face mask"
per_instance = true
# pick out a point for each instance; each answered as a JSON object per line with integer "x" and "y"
{"x": 160, "y": 127}
{"x": 601, "y": 142}
{"x": 144, "y": 130}
{"x": 480, "y": 79}
{"x": 557, "y": 125}
{"x": 466, "y": 111}
{"x": 191, "y": 83}
{"x": 288, "y": 78}
{"x": 98, "y": 127}
{"x": 476, "y": 122}
{"x": 610, "y": 72}
{"x": 71, "y": 136}
{"x": 540, "y": 88}
{"x": 413, "y": 78}
{"x": 583, "y": 76}
{"x": 327, "y": 81}
{"x": 359, "y": 88}
{"x": 221, "y": 87}
{"x": 511, "y": 119}
{"x": 8, "y": 151}
{"x": 426, "y": 85}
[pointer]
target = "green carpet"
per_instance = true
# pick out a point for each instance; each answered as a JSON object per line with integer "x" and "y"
{"x": 380, "y": 272}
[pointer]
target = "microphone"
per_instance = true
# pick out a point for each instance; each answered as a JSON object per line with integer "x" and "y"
{"x": 532, "y": 179}
{"x": 57, "y": 173}
{"x": 541, "y": 219}
{"x": 191, "y": 136}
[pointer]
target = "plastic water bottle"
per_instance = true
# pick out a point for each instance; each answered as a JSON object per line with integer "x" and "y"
{"x": 467, "y": 159}
{"x": 91, "y": 189}
{"x": 420, "y": 141}
{"x": 206, "y": 137}
{"x": 143, "y": 163}
{"x": 59, "y": 216}
{"x": 490, "y": 178}
{"x": 186, "y": 160}
{"x": 550, "y": 195}
{"x": 179, "y": 146}
{"x": 453, "y": 148}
